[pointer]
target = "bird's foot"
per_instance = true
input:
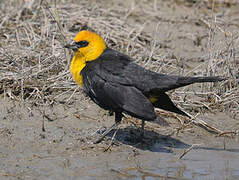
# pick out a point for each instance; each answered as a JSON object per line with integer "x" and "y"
{"x": 105, "y": 133}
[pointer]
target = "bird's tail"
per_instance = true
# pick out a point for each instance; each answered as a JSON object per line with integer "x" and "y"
{"x": 190, "y": 80}
{"x": 184, "y": 81}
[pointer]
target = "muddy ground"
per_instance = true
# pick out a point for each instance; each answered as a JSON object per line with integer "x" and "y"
{"x": 48, "y": 124}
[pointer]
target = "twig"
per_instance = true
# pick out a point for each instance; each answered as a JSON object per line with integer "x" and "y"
{"x": 123, "y": 173}
{"x": 227, "y": 133}
{"x": 149, "y": 174}
{"x": 187, "y": 150}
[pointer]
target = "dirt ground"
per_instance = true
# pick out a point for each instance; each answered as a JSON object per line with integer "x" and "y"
{"x": 48, "y": 124}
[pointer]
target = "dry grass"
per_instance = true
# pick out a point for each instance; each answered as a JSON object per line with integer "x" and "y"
{"x": 34, "y": 66}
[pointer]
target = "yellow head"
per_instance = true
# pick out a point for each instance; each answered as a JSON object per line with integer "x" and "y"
{"x": 87, "y": 45}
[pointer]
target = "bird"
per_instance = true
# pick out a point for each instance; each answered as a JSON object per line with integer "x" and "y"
{"x": 116, "y": 83}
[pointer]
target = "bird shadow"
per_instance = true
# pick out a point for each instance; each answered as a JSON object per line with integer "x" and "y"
{"x": 156, "y": 142}
{"x": 151, "y": 141}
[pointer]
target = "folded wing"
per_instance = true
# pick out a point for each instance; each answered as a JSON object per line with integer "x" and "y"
{"x": 115, "y": 96}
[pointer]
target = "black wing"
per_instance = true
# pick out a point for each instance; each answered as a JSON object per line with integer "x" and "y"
{"x": 128, "y": 73}
{"x": 99, "y": 84}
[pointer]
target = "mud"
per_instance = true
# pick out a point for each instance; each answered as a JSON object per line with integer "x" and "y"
{"x": 55, "y": 141}
{"x": 64, "y": 150}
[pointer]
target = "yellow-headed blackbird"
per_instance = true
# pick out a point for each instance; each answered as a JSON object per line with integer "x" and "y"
{"x": 114, "y": 82}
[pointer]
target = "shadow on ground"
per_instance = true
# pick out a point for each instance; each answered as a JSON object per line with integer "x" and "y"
{"x": 152, "y": 141}
{"x": 156, "y": 142}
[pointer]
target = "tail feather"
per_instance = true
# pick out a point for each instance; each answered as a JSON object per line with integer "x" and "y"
{"x": 190, "y": 80}
{"x": 161, "y": 100}
{"x": 184, "y": 81}
{"x": 165, "y": 103}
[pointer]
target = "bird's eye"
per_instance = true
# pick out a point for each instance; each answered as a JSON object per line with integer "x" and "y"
{"x": 81, "y": 44}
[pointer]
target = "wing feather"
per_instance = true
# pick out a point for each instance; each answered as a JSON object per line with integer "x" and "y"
{"x": 129, "y": 73}
{"x": 115, "y": 96}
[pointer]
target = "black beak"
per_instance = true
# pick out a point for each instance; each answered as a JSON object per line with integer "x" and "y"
{"x": 72, "y": 46}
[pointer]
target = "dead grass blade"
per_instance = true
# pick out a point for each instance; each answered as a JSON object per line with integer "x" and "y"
{"x": 187, "y": 150}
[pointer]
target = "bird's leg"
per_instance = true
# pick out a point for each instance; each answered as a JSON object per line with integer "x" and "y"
{"x": 142, "y": 130}
{"x": 118, "y": 117}
{"x": 111, "y": 113}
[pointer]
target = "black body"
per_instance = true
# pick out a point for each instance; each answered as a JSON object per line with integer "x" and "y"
{"x": 116, "y": 83}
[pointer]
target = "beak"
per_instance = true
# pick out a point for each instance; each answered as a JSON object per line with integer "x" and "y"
{"x": 72, "y": 46}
